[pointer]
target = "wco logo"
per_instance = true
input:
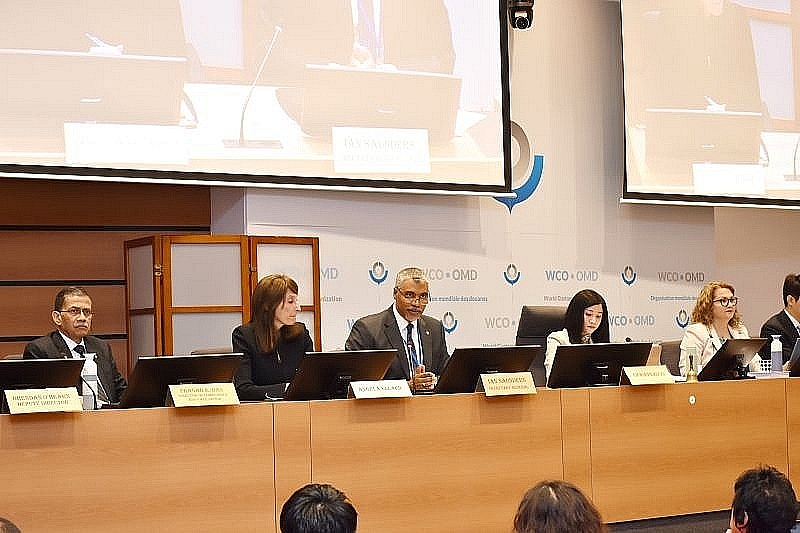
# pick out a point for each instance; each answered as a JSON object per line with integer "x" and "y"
{"x": 628, "y": 275}
{"x": 511, "y": 274}
{"x": 527, "y": 167}
{"x": 682, "y": 318}
{"x": 379, "y": 272}
{"x": 449, "y": 322}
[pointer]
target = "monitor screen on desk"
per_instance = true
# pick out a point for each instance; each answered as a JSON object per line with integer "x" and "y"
{"x": 38, "y": 374}
{"x": 327, "y": 375}
{"x": 273, "y": 93}
{"x": 149, "y": 382}
{"x": 582, "y": 365}
{"x": 733, "y": 355}
{"x": 463, "y": 369}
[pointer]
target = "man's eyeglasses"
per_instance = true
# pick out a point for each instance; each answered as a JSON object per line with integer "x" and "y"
{"x": 411, "y": 296}
{"x": 76, "y": 311}
{"x": 727, "y": 302}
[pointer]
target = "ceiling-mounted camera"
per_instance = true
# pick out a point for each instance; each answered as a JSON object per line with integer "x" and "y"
{"x": 520, "y": 14}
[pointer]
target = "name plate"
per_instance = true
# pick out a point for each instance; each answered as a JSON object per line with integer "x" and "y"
{"x": 385, "y": 388}
{"x": 380, "y": 150}
{"x": 646, "y": 375}
{"x": 200, "y": 394}
{"x": 507, "y": 383}
{"x": 53, "y": 400}
{"x": 116, "y": 144}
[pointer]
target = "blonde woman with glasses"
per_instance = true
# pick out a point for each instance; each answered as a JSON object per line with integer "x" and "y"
{"x": 715, "y": 319}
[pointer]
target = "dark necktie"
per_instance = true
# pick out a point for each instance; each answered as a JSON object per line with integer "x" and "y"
{"x": 80, "y": 350}
{"x": 412, "y": 351}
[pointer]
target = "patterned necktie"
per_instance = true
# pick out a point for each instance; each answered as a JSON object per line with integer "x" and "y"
{"x": 80, "y": 350}
{"x": 412, "y": 351}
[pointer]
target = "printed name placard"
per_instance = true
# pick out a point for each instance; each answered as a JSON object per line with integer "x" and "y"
{"x": 507, "y": 383}
{"x": 646, "y": 375}
{"x": 53, "y": 400}
{"x": 385, "y": 388}
{"x": 200, "y": 394}
{"x": 380, "y": 150}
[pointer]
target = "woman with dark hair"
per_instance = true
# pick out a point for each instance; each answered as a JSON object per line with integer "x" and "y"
{"x": 273, "y": 342}
{"x": 586, "y": 322}
{"x": 557, "y": 507}
{"x": 715, "y": 318}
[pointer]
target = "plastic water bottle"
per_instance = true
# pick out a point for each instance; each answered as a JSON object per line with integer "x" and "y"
{"x": 89, "y": 375}
{"x": 776, "y": 353}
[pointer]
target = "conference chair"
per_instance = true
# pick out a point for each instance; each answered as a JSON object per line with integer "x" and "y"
{"x": 670, "y": 355}
{"x": 536, "y": 322}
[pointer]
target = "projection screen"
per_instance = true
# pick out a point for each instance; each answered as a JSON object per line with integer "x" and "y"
{"x": 401, "y": 94}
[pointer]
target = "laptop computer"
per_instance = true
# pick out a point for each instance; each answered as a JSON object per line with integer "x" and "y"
{"x": 57, "y": 87}
{"x": 337, "y": 95}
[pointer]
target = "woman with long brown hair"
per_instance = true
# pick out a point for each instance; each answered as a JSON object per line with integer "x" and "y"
{"x": 273, "y": 342}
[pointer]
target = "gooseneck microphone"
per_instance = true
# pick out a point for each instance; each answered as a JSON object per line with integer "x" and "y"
{"x": 275, "y": 34}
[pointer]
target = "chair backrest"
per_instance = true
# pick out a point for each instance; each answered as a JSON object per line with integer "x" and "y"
{"x": 670, "y": 355}
{"x": 536, "y": 322}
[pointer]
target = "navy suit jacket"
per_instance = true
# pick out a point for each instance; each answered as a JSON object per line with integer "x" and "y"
{"x": 779, "y": 324}
{"x": 381, "y": 332}
{"x": 53, "y": 346}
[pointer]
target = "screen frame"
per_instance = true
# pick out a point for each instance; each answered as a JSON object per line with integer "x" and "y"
{"x": 100, "y": 173}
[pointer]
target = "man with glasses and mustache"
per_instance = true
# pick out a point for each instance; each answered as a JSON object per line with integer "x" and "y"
{"x": 419, "y": 339}
{"x": 72, "y": 314}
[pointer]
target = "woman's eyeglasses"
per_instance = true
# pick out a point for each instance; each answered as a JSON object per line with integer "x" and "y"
{"x": 727, "y": 302}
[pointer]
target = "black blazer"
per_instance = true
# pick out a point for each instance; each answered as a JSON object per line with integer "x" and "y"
{"x": 779, "y": 324}
{"x": 381, "y": 332}
{"x": 53, "y": 346}
{"x": 263, "y": 374}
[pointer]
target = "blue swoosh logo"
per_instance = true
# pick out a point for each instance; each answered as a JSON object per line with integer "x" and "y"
{"x": 525, "y": 191}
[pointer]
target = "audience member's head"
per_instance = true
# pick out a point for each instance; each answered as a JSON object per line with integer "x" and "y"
{"x": 7, "y": 526}
{"x": 587, "y": 316}
{"x": 557, "y": 507}
{"x": 763, "y": 502}
{"x": 318, "y": 508}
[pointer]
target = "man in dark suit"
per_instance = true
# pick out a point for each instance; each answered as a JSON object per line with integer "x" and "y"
{"x": 786, "y": 323}
{"x": 419, "y": 339}
{"x": 72, "y": 315}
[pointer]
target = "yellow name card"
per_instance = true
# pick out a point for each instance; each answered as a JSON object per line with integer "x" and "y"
{"x": 507, "y": 383}
{"x": 54, "y": 400}
{"x": 646, "y": 375}
{"x": 201, "y": 394}
{"x": 385, "y": 388}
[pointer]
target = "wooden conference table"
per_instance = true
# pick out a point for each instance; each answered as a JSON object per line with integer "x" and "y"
{"x": 435, "y": 463}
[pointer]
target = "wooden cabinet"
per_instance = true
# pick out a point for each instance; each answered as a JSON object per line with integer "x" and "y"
{"x": 188, "y": 292}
